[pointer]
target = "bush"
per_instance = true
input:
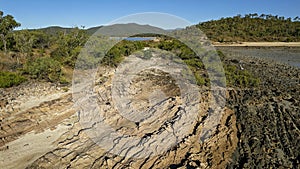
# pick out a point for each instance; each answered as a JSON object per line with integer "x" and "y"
{"x": 242, "y": 78}
{"x": 44, "y": 68}
{"x": 8, "y": 79}
{"x": 200, "y": 80}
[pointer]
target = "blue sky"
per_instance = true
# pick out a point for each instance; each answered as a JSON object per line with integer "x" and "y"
{"x": 42, "y": 13}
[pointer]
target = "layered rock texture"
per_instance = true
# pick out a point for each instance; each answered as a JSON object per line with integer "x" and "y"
{"x": 41, "y": 127}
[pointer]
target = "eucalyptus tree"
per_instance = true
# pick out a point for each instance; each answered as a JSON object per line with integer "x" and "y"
{"x": 7, "y": 24}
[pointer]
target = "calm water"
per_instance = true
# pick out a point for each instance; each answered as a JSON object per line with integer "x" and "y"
{"x": 139, "y": 38}
{"x": 134, "y": 38}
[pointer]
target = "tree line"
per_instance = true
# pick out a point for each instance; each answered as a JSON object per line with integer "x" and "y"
{"x": 253, "y": 27}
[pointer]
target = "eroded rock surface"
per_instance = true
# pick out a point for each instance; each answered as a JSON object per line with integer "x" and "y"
{"x": 259, "y": 127}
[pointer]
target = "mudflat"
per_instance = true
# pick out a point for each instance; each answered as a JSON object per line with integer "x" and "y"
{"x": 289, "y": 55}
{"x": 259, "y": 44}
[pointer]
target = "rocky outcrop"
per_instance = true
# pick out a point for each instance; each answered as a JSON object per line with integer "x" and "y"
{"x": 76, "y": 148}
{"x": 258, "y": 127}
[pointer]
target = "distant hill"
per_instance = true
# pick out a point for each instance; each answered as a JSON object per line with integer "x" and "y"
{"x": 130, "y": 28}
{"x": 111, "y": 30}
{"x": 54, "y": 29}
{"x": 252, "y": 27}
{"x": 92, "y": 30}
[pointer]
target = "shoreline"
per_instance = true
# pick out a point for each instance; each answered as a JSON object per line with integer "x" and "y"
{"x": 257, "y": 44}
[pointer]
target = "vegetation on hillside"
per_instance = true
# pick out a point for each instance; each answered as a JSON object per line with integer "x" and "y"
{"x": 50, "y": 55}
{"x": 38, "y": 54}
{"x": 252, "y": 27}
{"x": 234, "y": 75}
{"x": 68, "y": 46}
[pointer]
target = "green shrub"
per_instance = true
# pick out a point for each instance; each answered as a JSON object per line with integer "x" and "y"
{"x": 200, "y": 80}
{"x": 44, "y": 68}
{"x": 194, "y": 63}
{"x": 8, "y": 79}
{"x": 237, "y": 77}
